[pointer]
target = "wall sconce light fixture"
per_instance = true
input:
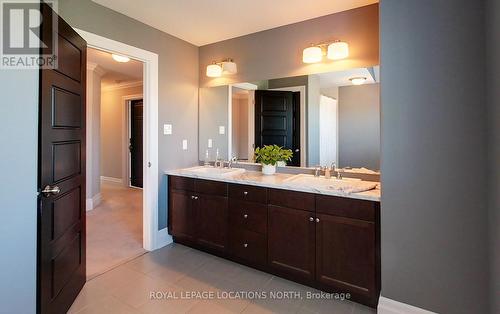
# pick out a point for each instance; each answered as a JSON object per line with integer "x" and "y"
{"x": 217, "y": 69}
{"x": 336, "y": 50}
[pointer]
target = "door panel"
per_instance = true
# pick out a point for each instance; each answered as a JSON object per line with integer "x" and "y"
{"x": 275, "y": 124}
{"x": 61, "y": 226}
{"x": 182, "y": 214}
{"x": 291, "y": 242}
{"x": 211, "y": 221}
{"x": 136, "y": 143}
{"x": 346, "y": 254}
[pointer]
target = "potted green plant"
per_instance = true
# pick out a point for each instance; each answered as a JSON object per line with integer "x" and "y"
{"x": 270, "y": 155}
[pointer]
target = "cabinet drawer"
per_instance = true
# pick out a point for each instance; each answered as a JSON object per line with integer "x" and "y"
{"x": 248, "y": 245}
{"x": 292, "y": 199}
{"x": 248, "y": 215}
{"x": 248, "y": 193}
{"x": 182, "y": 183}
{"x": 211, "y": 187}
{"x": 346, "y": 207}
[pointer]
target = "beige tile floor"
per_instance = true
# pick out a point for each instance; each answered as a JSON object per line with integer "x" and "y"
{"x": 176, "y": 270}
{"x": 114, "y": 229}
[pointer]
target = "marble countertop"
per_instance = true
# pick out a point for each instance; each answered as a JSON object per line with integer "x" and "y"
{"x": 276, "y": 181}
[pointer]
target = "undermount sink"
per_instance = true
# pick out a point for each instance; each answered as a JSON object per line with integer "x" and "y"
{"x": 346, "y": 185}
{"x": 215, "y": 172}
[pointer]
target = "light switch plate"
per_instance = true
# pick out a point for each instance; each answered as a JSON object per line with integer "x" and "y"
{"x": 210, "y": 143}
{"x": 184, "y": 144}
{"x": 167, "y": 129}
{"x": 222, "y": 129}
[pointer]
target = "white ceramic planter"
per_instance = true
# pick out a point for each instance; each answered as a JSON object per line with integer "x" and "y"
{"x": 268, "y": 169}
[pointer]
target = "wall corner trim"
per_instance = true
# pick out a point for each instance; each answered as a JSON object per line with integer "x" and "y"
{"x": 93, "y": 202}
{"x": 163, "y": 238}
{"x": 388, "y": 306}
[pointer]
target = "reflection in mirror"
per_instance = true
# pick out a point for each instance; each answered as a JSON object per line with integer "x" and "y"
{"x": 323, "y": 118}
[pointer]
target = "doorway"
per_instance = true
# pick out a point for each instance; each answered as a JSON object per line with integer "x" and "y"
{"x": 115, "y": 211}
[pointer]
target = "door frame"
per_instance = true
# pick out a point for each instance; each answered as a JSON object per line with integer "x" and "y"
{"x": 152, "y": 237}
{"x": 126, "y": 158}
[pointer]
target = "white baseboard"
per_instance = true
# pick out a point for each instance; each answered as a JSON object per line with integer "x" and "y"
{"x": 388, "y": 306}
{"x": 93, "y": 202}
{"x": 163, "y": 238}
{"x": 111, "y": 179}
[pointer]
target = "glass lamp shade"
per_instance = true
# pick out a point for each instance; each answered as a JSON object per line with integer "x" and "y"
{"x": 338, "y": 50}
{"x": 229, "y": 67}
{"x": 214, "y": 70}
{"x": 312, "y": 55}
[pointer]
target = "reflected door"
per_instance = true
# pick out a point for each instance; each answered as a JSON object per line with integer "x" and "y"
{"x": 277, "y": 121}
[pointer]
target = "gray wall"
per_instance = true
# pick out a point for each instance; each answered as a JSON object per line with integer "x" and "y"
{"x": 434, "y": 222}
{"x": 18, "y": 195}
{"x": 278, "y": 52}
{"x": 359, "y": 126}
{"x": 178, "y": 81}
{"x": 214, "y": 102}
{"x": 493, "y": 100}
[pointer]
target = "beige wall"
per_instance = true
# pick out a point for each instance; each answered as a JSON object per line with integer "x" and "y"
{"x": 114, "y": 130}
{"x": 93, "y": 114}
{"x": 277, "y": 52}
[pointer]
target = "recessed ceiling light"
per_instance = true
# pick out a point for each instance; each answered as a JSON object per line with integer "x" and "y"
{"x": 119, "y": 58}
{"x": 358, "y": 80}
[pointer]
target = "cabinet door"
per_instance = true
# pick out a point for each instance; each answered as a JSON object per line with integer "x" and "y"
{"x": 212, "y": 221}
{"x": 345, "y": 254}
{"x": 182, "y": 214}
{"x": 291, "y": 242}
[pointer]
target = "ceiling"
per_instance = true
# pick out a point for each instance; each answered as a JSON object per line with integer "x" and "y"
{"x": 202, "y": 22}
{"x": 115, "y": 72}
{"x": 341, "y": 78}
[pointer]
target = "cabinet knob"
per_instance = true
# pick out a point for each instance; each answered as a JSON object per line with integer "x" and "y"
{"x": 245, "y": 193}
{"x": 245, "y": 216}
{"x": 317, "y": 219}
{"x": 311, "y": 219}
{"x": 245, "y": 245}
{"x": 194, "y": 197}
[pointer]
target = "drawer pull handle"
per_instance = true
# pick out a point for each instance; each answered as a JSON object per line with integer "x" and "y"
{"x": 245, "y": 245}
{"x": 245, "y": 193}
{"x": 311, "y": 219}
{"x": 245, "y": 216}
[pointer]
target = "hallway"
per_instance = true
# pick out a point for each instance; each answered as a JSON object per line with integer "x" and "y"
{"x": 114, "y": 229}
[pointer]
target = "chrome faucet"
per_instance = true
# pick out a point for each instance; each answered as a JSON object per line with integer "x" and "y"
{"x": 231, "y": 161}
{"x": 317, "y": 171}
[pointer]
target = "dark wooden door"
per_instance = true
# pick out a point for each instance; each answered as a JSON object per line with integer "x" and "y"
{"x": 211, "y": 221}
{"x": 182, "y": 214}
{"x": 291, "y": 242}
{"x": 61, "y": 220}
{"x": 345, "y": 254}
{"x": 274, "y": 120}
{"x": 136, "y": 133}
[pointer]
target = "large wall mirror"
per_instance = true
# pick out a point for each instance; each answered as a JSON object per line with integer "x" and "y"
{"x": 323, "y": 118}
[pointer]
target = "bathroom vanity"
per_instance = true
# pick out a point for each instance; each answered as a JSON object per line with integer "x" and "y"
{"x": 308, "y": 233}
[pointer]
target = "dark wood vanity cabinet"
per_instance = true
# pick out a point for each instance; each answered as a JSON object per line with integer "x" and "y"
{"x": 198, "y": 212}
{"x": 331, "y": 243}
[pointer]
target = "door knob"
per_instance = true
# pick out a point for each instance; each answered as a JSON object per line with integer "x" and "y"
{"x": 50, "y": 190}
